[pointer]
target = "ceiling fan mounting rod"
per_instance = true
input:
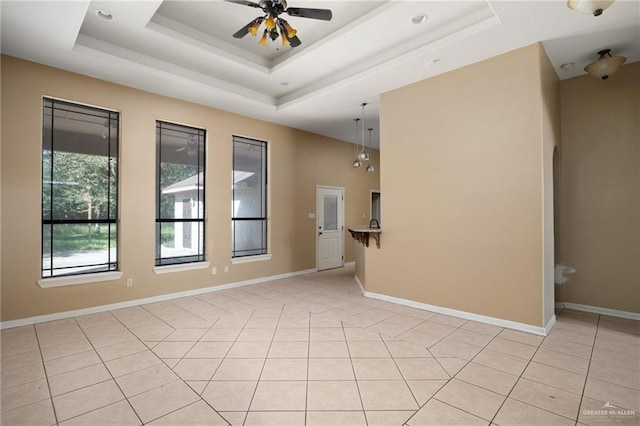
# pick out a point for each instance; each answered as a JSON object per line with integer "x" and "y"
{"x": 273, "y": 8}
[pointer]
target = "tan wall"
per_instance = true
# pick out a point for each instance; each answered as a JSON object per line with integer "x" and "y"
{"x": 550, "y": 90}
{"x": 601, "y": 189}
{"x": 463, "y": 194}
{"x": 298, "y": 162}
{"x": 360, "y": 255}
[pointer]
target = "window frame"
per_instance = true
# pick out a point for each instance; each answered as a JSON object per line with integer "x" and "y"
{"x": 112, "y": 270}
{"x": 180, "y": 263}
{"x": 265, "y": 249}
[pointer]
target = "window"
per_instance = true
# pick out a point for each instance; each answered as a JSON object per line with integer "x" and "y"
{"x": 249, "y": 215}
{"x": 79, "y": 189}
{"x": 180, "y": 188}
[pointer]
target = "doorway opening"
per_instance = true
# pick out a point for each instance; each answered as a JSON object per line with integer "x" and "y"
{"x": 557, "y": 228}
{"x": 375, "y": 212}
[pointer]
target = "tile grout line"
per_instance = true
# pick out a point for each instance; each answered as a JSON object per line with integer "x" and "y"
{"x": 586, "y": 377}
{"x": 150, "y": 350}
{"x": 183, "y": 380}
{"x": 384, "y": 342}
{"x": 164, "y": 363}
{"x": 520, "y": 377}
{"x": 46, "y": 376}
{"x": 517, "y": 380}
{"x": 355, "y": 376}
{"x": 306, "y": 395}
{"x": 108, "y": 371}
{"x": 263, "y": 363}
{"x": 454, "y": 376}
{"x": 218, "y": 367}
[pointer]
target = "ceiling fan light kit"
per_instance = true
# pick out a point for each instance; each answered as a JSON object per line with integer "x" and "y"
{"x": 590, "y": 7}
{"x": 273, "y": 23}
{"x": 605, "y": 65}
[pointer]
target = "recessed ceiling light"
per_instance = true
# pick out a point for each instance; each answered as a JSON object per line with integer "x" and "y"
{"x": 568, "y": 66}
{"x": 419, "y": 19}
{"x": 104, "y": 14}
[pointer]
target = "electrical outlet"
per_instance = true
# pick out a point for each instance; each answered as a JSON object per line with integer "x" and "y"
{"x": 226, "y": 269}
{"x": 214, "y": 270}
{"x": 129, "y": 282}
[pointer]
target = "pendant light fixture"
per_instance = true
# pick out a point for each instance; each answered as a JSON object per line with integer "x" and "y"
{"x": 357, "y": 162}
{"x": 370, "y": 168}
{"x": 363, "y": 155}
{"x": 591, "y": 7}
{"x": 362, "y": 151}
{"x": 605, "y": 65}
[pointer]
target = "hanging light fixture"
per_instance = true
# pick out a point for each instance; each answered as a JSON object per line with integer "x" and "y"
{"x": 605, "y": 65}
{"x": 370, "y": 168}
{"x": 363, "y": 155}
{"x": 357, "y": 162}
{"x": 591, "y": 7}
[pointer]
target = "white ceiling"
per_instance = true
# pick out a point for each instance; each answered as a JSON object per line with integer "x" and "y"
{"x": 185, "y": 49}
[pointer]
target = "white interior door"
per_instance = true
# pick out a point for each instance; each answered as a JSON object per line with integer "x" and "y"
{"x": 330, "y": 228}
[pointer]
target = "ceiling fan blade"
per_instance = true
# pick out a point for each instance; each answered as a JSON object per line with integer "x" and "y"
{"x": 303, "y": 12}
{"x": 245, "y": 3}
{"x": 245, "y": 30}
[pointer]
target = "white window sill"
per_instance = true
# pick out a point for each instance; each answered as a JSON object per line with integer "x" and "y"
{"x": 169, "y": 269}
{"x": 249, "y": 259}
{"x": 79, "y": 279}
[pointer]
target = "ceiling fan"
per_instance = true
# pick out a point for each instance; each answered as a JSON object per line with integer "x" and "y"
{"x": 191, "y": 146}
{"x": 272, "y": 21}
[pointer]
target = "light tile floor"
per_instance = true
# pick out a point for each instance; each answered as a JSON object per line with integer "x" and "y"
{"x": 311, "y": 350}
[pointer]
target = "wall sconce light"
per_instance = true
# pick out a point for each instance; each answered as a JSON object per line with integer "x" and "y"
{"x": 605, "y": 65}
{"x": 591, "y": 7}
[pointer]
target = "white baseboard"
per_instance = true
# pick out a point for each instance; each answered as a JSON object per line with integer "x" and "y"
{"x": 364, "y": 293}
{"x": 549, "y": 325}
{"x": 559, "y": 305}
{"x": 350, "y": 264}
{"x": 602, "y": 311}
{"x": 146, "y": 300}
{"x": 527, "y": 328}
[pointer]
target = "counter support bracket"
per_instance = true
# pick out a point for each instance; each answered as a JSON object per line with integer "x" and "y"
{"x": 362, "y": 236}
